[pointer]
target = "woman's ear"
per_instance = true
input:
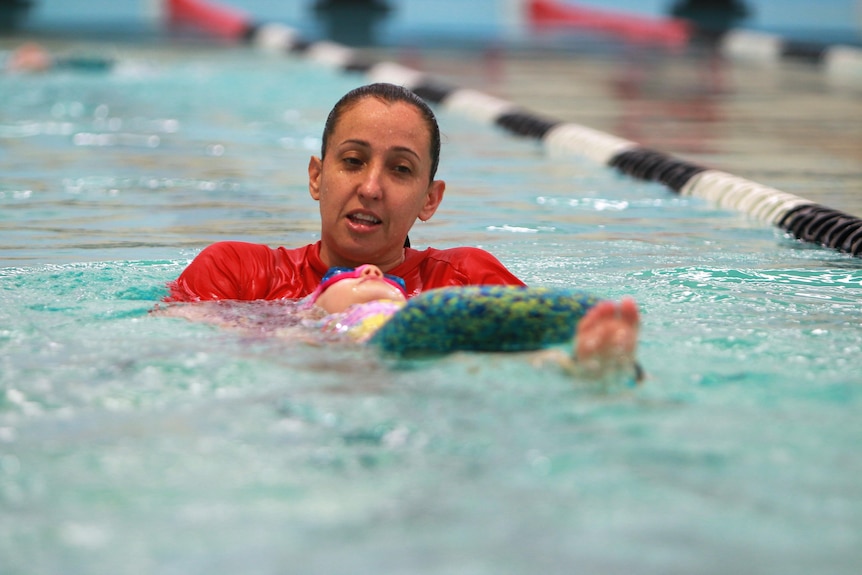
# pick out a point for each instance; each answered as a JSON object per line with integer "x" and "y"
{"x": 433, "y": 197}
{"x": 315, "y": 168}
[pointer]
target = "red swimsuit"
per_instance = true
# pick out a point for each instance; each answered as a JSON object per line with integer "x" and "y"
{"x": 245, "y": 271}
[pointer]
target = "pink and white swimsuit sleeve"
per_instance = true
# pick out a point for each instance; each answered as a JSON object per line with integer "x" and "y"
{"x": 361, "y": 321}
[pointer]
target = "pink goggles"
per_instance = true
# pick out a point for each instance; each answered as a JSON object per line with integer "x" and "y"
{"x": 336, "y": 274}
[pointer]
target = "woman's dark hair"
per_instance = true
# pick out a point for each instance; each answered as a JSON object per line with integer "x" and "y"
{"x": 387, "y": 93}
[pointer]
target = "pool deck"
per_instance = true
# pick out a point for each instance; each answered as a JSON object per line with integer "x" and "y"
{"x": 787, "y": 125}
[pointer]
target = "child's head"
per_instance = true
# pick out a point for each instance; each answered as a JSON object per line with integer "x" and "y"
{"x": 341, "y": 288}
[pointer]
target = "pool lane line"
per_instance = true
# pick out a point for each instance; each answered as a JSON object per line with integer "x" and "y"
{"x": 641, "y": 29}
{"x": 803, "y": 219}
{"x": 835, "y": 58}
{"x": 839, "y": 61}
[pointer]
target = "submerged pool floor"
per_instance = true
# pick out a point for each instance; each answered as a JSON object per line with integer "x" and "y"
{"x": 135, "y": 443}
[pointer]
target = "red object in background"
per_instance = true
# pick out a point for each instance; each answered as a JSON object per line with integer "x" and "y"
{"x": 217, "y": 20}
{"x": 550, "y": 14}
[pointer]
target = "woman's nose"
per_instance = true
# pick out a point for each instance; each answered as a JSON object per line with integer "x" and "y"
{"x": 370, "y": 186}
{"x": 370, "y": 270}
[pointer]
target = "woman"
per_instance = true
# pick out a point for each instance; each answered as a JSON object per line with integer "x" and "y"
{"x": 373, "y": 180}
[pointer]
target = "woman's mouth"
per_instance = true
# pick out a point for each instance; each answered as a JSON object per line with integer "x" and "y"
{"x": 363, "y": 219}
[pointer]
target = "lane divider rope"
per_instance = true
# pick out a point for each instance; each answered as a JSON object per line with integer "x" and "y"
{"x": 838, "y": 61}
{"x": 673, "y": 33}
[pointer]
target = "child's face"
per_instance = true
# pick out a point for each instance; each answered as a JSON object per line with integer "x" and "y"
{"x": 366, "y": 284}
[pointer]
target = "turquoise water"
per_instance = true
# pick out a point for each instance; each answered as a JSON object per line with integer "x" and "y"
{"x": 134, "y": 443}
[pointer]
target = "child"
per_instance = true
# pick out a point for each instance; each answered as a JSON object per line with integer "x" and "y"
{"x": 369, "y": 306}
{"x": 358, "y": 300}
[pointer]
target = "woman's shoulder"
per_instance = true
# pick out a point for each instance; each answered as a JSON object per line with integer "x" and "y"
{"x": 227, "y": 246}
{"x": 463, "y": 265}
{"x": 452, "y": 255}
{"x": 235, "y": 247}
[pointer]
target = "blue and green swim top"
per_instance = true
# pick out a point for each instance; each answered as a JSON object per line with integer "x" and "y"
{"x": 483, "y": 318}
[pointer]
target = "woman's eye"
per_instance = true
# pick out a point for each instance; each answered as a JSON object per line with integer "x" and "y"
{"x": 350, "y": 161}
{"x": 403, "y": 170}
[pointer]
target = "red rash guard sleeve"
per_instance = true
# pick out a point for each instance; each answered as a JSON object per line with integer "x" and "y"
{"x": 245, "y": 271}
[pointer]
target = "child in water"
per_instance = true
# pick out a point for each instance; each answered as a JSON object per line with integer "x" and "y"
{"x": 359, "y": 301}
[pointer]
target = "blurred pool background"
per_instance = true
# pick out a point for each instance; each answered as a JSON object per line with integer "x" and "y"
{"x": 448, "y": 20}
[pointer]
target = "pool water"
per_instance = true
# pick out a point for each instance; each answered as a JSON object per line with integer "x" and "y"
{"x": 136, "y": 443}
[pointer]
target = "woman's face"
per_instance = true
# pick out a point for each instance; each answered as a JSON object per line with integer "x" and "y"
{"x": 372, "y": 183}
